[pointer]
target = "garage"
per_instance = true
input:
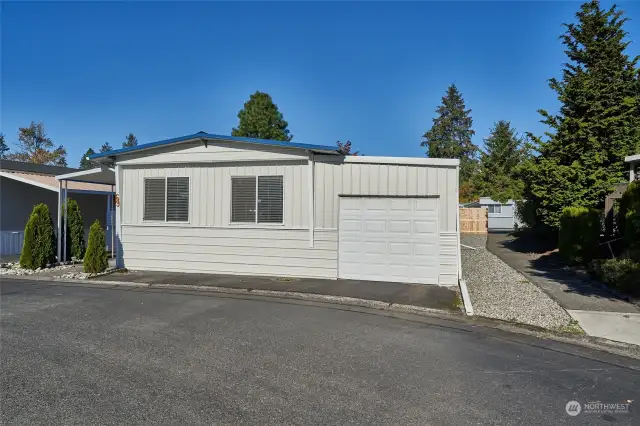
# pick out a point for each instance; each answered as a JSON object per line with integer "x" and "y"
{"x": 389, "y": 239}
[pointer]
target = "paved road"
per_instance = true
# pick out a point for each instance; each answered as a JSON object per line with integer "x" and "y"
{"x": 83, "y": 355}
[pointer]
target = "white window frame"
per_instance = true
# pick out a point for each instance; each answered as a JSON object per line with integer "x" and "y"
{"x": 499, "y": 206}
{"x": 255, "y": 223}
{"x": 166, "y": 189}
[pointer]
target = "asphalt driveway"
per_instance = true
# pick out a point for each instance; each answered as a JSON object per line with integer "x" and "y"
{"x": 92, "y": 355}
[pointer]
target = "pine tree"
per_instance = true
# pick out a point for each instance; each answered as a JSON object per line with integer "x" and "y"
{"x": 36, "y": 147}
{"x": 505, "y": 152}
{"x": 345, "y": 148}
{"x": 450, "y": 135}
{"x": 3, "y": 147}
{"x": 106, "y": 147}
{"x": 130, "y": 142}
{"x": 84, "y": 163}
{"x": 261, "y": 119}
{"x": 598, "y": 123}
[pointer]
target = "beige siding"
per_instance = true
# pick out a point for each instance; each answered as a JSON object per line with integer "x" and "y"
{"x": 210, "y": 198}
{"x": 333, "y": 179}
{"x": 278, "y": 252}
{"x": 197, "y": 152}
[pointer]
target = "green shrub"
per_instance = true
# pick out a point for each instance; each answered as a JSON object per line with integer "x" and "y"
{"x": 75, "y": 234}
{"x": 95, "y": 258}
{"x": 579, "y": 232}
{"x": 621, "y": 274}
{"x": 39, "y": 245}
{"x": 629, "y": 219}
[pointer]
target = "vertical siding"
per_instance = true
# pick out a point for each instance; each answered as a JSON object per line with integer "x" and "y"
{"x": 210, "y": 196}
{"x": 334, "y": 179}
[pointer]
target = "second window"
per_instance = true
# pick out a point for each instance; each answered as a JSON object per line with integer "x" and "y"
{"x": 257, "y": 199}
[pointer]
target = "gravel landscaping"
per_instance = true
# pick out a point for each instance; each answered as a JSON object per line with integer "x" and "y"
{"x": 498, "y": 291}
{"x": 13, "y": 268}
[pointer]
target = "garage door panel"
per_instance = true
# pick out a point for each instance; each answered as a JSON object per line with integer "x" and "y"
{"x": 389, "y": 239}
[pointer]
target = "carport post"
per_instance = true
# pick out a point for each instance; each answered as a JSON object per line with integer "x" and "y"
{"x": 64, "y": 207}
{"x": 59, "y": 220}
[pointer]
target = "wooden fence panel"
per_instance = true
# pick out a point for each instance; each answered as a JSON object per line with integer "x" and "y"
{"x": 474, "y": 220}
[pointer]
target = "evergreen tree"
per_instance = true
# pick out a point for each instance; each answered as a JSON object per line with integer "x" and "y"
{"x": 260, "y": 118}
{"x": 75, "y": 234}
{"x": 450, "y": 135}
{"x": 84, "y": 163}
{"x": 39, "y": 245}
{"x": 598, "y": 123}
{"x": 505, "y": 152}
{"x": 106, "y": 147}
{"x": 130, "y": 142}
{"x": 3, "y": 146}
{"x": 36, "y": 147}
{"x": 95, "y": 258}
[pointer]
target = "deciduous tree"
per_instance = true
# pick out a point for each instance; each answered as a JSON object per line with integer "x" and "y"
{"x": 34, "y": 146}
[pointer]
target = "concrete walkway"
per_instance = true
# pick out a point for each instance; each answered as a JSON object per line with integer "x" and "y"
{"x": 598, "y": 311}
{"x": 426, "y": 296}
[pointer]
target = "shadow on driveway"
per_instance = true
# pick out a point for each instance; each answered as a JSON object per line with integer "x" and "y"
{"x": 544, "y": 267}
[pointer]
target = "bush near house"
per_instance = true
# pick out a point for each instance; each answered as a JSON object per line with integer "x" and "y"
{"x": 75, "y": 234}
{"x": 95, "y": 259}
{"x": 621, "y": 274}
{"x": 39, "y": 245}
{"x": 579, "y": 233}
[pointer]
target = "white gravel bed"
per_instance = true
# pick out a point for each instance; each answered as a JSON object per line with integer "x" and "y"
{"x": 498, "y": 291}
{"x": 15, "y": 269}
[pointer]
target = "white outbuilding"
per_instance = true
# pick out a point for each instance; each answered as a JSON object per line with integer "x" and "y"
{"x": 231, "y": 205}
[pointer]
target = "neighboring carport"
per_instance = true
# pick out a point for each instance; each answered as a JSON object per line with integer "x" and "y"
{"x": 96, "y": 181}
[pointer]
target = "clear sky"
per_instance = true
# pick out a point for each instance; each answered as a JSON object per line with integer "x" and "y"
{"x": 372, "y": 73}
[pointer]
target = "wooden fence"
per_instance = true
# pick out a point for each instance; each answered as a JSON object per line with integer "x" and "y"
{"x": 473, "y": 220}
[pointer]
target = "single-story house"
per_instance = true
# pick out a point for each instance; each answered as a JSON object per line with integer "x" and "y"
{"x": 232, "y": 205}
{"x": 634, "y": 165}
{"x": 23, "y": 185}
{"x": 501, "y": 216}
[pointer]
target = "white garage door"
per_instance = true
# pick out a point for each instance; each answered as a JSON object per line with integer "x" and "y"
{"x": 389, "y": 239}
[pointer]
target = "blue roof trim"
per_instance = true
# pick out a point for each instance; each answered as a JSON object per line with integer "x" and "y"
{"x": 203, "y": 135}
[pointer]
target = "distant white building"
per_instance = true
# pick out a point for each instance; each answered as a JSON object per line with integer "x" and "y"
{"x": 502, "y": 216}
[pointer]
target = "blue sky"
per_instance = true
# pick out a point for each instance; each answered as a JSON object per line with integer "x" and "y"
{"x": 373, "y": 73}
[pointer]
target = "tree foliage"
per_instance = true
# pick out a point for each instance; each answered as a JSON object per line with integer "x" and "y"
{"x": 106, "y": 147}
{"x": 579, "y": 233}
{"x": 130, "y": 141}
{"x": 504, "y": 153}
{"x": 95, "y": 258}
{"x": 39, "y": 244}
{"x": 84, "y": 163}
{"x": 75, "y": 235}
{"x": 450, "y": 135}
{"x": 34, "y": 146}
{"x": 260, "y": 118}
{"x": 345, "y": 148}
{"x": 598, "y": 123}
{"x": 3, "y": 147}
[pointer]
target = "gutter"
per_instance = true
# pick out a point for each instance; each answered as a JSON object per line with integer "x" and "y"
{"x": 464, "y": 291}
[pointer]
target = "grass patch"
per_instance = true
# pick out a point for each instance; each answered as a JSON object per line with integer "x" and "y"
{"x": 571, "y": 328}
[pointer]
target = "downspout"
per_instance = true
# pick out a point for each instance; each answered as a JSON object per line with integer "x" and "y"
{"x": 464, "y": 291}
{"x": 312, "y": 197}
{"x": 59, "y": 221}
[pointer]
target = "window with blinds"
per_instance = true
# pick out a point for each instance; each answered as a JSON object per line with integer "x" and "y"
{"x": 256, "y": 199}
{"x": 270, "y": 203}
{"x": 243, "y": 199}
{"x": 177, "y": 199}
{"x": 154, "y": 199}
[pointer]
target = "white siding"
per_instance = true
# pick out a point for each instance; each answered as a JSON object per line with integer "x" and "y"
{"x": 333, "y": 179}
{"x": 277, "y": 252}
{"x": 448, "y": 258}
{"x": 210, "y": 197}
{"x": 197, "y": 152}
